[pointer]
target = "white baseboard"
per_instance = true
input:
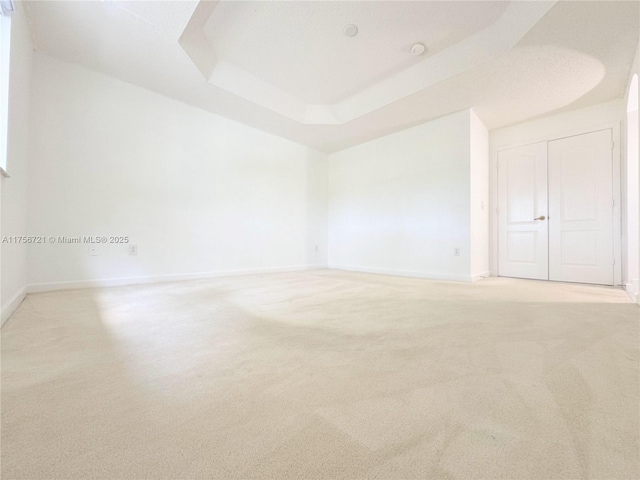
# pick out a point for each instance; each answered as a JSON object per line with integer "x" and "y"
{"x": 118, "y": 282}
{"x": 404, "y": 273}
{"x": 633, "y": 290}
{"x": 12, "y": 306}
{"x": 480, "y": 276}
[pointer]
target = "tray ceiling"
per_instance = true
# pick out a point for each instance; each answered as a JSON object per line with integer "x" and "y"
{"x": 287, "y": 68}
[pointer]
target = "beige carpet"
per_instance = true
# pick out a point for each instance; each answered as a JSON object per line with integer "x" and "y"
{"x": 323, "y": 374}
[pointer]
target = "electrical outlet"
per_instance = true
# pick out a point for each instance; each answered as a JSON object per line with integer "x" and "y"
{"x": 316, "y": 248}
{"x": 133, "y": 249}
{"x": 93, "y": 250}
{"x": 456, "y": 252}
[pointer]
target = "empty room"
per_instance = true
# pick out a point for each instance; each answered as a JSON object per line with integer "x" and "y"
{"x": 319, "y": 240}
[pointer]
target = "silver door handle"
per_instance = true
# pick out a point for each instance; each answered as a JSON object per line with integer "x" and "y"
{"x": 541, "y": 217}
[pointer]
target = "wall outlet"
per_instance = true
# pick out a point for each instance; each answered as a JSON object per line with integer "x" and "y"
{"x": 93, "y": 250}
{"x": 456, "y": 252}
{"x": 133, "y": 249}
{"x": 316, "y": 248}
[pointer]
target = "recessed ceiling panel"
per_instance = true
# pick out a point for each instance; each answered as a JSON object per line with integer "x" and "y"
{"x": 294, "y": 57}
{"x": 300, "y": 48}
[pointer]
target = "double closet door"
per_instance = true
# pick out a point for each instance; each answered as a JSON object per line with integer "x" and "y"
{"x": 555, "y": 210}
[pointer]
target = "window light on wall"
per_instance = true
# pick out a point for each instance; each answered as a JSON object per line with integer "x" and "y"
{"x": 632, "y": 99}
{"x": 6, "y": 9}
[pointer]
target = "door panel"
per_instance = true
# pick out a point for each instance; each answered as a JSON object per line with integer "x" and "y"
{"x": 581, "y": 209}
{"x": 522, "y": 197}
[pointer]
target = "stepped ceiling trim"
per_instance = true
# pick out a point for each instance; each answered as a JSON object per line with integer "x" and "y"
{"x": 472, "y": 51}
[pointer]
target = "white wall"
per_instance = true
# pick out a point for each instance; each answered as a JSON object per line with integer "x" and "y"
{"x": 574, "y": 122}
{"x": 197, "y": 193}
{"x": 13, "y": 190}
{"x": 401, "y": 204}
{"x": 632, "y": 276}
{"x": 479, "y": 196}
{"x": 632, "y": 184}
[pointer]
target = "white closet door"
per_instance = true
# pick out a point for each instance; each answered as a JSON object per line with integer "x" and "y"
{"x": 581, "y": 209}
{"x": 522, "y": 211}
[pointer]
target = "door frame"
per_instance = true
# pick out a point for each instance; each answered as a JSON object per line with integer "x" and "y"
{"x": 617, "y": 183}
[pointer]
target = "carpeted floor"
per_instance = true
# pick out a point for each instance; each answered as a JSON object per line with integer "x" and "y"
{"x": 323, "y": 374}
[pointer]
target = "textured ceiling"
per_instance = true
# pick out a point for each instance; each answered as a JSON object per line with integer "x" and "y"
{"x": 305, "y": 69}
{"x": 286, "y": 68}
{"x": 300, "y": 49}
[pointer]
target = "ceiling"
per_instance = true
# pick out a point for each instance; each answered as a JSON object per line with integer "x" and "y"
{"x": 307, "y": 55}
{"x": 286, "y": 67}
